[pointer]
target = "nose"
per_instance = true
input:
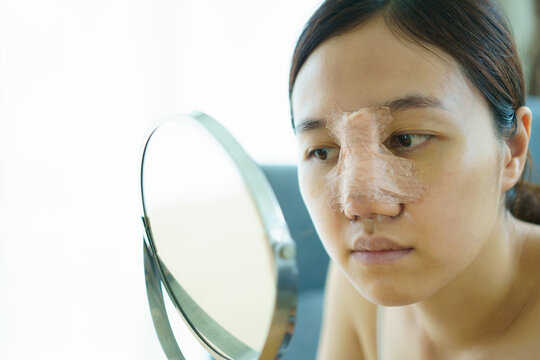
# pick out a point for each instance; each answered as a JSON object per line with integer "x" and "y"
{"x": 361, "y": 207}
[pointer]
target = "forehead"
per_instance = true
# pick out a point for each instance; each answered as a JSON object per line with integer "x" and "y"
{"x": 372, "y": 66}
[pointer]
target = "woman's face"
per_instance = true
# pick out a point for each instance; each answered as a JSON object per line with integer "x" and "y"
{"x": 454, "y": 149}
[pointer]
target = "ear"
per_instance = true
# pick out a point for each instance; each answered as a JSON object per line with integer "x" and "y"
{"x": 516, "y": 149}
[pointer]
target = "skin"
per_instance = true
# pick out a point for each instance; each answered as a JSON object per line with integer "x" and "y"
{"x": 473, "y": 266}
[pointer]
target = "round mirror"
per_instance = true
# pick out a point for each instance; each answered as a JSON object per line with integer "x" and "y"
{"x": 216, "y": 241}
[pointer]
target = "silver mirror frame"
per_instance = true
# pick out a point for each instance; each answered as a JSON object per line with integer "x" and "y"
{"x": 284, "y": 248}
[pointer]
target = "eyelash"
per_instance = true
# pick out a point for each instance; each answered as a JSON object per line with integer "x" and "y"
{"x": 399, "y": 148}
{"x": 312, "y": 154}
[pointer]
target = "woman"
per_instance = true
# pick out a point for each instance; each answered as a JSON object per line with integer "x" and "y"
{"x": 427, "y": 262}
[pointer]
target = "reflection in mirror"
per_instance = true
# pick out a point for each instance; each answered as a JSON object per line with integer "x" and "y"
{"x": 210, "y": 242}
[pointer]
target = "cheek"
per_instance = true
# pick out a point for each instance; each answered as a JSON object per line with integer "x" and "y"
{"x": 326, "y": 219}
{"x": 312, "y": 189}
{"x": 460, "y": 206}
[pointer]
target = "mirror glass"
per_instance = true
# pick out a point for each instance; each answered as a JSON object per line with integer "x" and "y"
{"x": 209, "y": 238}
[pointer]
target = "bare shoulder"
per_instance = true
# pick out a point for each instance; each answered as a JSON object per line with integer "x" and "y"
{"x": 349, "y": 321}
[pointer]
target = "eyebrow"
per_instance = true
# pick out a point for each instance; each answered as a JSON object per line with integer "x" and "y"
{"x": 404, "y": 103}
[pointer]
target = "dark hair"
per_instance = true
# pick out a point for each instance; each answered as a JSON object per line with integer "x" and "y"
{"x": 474, "y": 32}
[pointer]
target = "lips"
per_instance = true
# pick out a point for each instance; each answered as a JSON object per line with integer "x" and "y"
{"x": 378, "y": 251}
{"x": 377, "y": 244}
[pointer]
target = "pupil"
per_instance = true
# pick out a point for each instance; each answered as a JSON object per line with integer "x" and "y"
{"x": 405, "y": 140}
{"x": 321, "y": 154}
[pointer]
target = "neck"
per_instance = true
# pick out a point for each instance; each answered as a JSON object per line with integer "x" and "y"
{"x": 450, "y": 320}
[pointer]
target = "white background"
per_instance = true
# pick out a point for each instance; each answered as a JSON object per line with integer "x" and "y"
{"x": 81, "y": 85}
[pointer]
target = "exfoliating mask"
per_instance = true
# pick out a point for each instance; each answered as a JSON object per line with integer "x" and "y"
{"x": 367, "y": 170}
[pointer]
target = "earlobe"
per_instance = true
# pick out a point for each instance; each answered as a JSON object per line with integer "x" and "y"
{"x": 516, "y": 149}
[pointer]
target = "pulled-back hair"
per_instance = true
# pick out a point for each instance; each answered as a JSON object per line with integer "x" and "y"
{"x": 474, "y": 32}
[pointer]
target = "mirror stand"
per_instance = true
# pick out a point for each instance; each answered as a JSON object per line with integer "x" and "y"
{"x": 157, "y": 306}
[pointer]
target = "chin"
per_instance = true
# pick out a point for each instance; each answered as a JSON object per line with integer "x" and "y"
{"x": 392, "y": 300}
{"x": 388, "y": 294}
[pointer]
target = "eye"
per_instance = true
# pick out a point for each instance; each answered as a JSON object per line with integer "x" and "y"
{"x": 322, "y": 154}
{"x": 407, "y": 141}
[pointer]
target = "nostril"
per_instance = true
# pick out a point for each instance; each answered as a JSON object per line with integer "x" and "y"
{"x": 366, "y": 208}
{"x": 348, "y": 212}
{"x": 401, "y": 209}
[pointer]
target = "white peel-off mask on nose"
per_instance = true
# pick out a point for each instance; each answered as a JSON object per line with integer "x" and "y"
{"x": 367, "y": 169}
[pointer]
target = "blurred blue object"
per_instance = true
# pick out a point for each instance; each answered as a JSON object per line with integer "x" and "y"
{"x": 533, "y": 102}
{"x": 312, "y": 262}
